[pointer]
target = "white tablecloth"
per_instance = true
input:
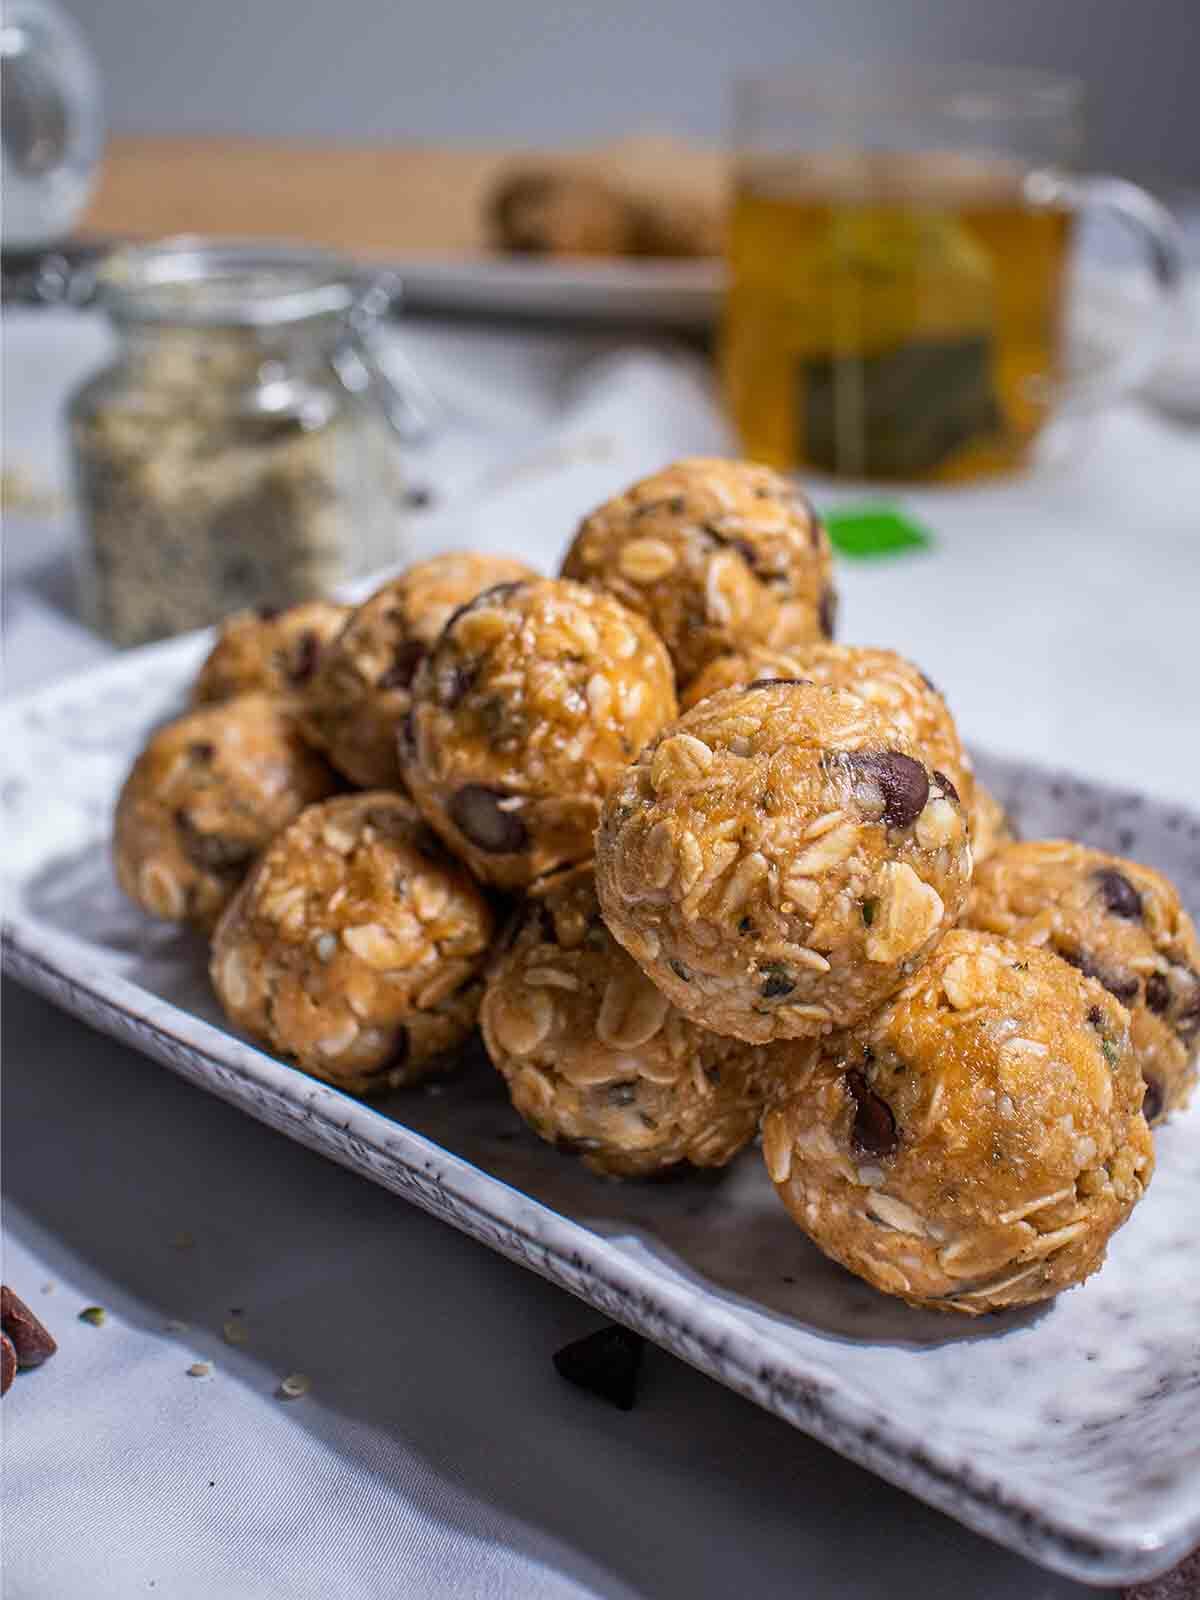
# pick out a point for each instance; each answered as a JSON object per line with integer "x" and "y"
{"x": 437, "y": 1453}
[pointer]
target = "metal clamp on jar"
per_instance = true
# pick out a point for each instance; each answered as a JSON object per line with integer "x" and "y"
{"x": 243, "y": 447}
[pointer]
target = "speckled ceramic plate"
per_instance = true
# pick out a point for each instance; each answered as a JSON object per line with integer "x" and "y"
{"x": 1070, "y": 1432}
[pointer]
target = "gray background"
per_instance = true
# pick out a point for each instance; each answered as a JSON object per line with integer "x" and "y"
{"x": 539, "y": 70}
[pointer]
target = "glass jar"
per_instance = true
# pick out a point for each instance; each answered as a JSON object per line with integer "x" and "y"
{"x": 242, "y": 448}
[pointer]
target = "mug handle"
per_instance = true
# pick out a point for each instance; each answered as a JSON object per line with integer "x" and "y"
{"x": 1160, "y": 237}
{"x": 397, "y": 388}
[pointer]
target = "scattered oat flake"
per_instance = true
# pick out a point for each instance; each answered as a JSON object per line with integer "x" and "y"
{"x": 200, "y": 1369}
{"x": 183, "y": 1240}
{"x": 234, "y": 1331}
{"x": 94, "y": 1314}
{"x": 294, "y": 1385}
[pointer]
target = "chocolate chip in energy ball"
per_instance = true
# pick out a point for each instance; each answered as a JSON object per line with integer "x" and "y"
{"x": 485, "y": 597}
{"x": 1158, "y": 993}
{"x": 304, "y": 664}
{"x": 1123, "y": 986}
{"x": 777, "y": 982}
{"x": 1153, "y": 1103}
{"x": 211, "y": 852}
{"x": 1118, "y": 894}
{"x": 947, "y": 788}
{"x": 874, "y": 1130}
{"x": 827, "y": 611}
{"x": 454, "y": 684}
{"x": 902, "y": 781}
{"x": 479, "y": 813}
{"x": 401, "y": 1046}
{"x": 1188, "y": 1020}
{"x": 400, "y": 674}
{"x": 30, "y": 1339}
{"x": 605, "y": 1363}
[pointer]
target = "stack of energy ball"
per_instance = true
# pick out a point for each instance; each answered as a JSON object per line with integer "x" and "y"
{"x": 787, "y": 906}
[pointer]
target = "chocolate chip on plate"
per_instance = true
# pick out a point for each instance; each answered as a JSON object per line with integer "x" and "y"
{"x": 30, "y": 1339}
{"x": 1181, "y": 1583}
{"x": 605, "y": 1363}
{"x": 1118, "y": 894}
{"x": 477, "y": 812}
{"x": 874, "y": 1130}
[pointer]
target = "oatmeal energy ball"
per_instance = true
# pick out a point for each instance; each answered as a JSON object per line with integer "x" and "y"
{"x": 1117, "y": 922}
{"x": 354, "y": 947}
{"x": 358, "y": 697}
{"x": 719, "y": 555}
{"x": 524, "y": 714}
{"x": 884, "y": 679}
{"x": 548, "y": 211}
{"x": 205, "y": 796}
{"x": 597, "y": 1059}
{"x": 781, "y": 859}
{"x": 977, "y": 1142}
{"x": 272, "y": 651}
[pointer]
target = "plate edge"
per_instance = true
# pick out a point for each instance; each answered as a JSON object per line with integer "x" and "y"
{"x": 813, "y": 1405}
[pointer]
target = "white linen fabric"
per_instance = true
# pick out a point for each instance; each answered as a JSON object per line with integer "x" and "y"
{"x": 437, "y": 1453}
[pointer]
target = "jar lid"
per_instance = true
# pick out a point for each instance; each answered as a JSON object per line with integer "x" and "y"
{"x": 194, "y": 282}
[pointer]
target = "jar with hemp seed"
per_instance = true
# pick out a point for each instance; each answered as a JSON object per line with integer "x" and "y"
{"x": 242, "y": 447}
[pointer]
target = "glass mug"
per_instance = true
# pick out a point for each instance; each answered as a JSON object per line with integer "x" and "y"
{"x": 898, "y": 250}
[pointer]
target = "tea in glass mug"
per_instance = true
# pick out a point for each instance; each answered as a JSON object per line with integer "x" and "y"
{"x": 898, "y": 249}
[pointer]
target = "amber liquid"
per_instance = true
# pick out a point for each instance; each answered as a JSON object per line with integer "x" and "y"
{"x": 892, "y": 317}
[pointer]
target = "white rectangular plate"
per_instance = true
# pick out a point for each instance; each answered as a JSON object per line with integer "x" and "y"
{"x": 1069, "y": 1432}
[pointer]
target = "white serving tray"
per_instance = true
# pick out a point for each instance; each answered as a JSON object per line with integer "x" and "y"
{"x": 1069, "y": 1432}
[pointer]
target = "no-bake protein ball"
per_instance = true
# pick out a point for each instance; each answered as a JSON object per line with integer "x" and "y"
{"x": 889, "y": 682}
{"x": 719, "y": 555}
{"x": 359, "y": 695}
{"x": 272, "y": 651}
{"x": 781, "y": 859}
{"x": 524, "y": 714}
{"x": 354, "y": 947}
{"x": 977, "y": 1142}
{"x": 547, "y": 211}
{"x": 598, "y": 1060}
{"x": 1120, "y": 923}
{"x": 206, "y": 795}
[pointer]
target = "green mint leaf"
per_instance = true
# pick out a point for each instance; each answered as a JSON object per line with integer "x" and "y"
{"x": 867, "y": 533}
